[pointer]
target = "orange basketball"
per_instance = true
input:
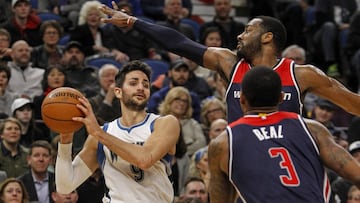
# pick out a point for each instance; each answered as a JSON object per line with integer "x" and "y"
{"x": 58, "y": 108}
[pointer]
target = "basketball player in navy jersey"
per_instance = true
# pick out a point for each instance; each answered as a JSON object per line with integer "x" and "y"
{"x": 260, "y": 44}
{"x": 133, "y": 151}
{"x": 274, "y": 156}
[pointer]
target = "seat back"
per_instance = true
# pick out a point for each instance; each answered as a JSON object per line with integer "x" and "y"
{"x": 64, "y": 39}
{"x": 49, "y": 16}
{"x": 158, "y": 67}
{"x": 97, "y": 61}
{"x": 195, "y": 25}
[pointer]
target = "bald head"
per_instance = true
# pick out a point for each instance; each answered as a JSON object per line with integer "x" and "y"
{"x": 107, "y": 75}
{"x": 21, "y": 53}
{"x": 19, "y": 43}
{"x": 216, "y": 127}
{"x": 107, "y": 68}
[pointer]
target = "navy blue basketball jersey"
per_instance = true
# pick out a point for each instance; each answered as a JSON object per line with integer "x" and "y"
{"x": 285, "y": 68}
{"x": 273, "y": 158}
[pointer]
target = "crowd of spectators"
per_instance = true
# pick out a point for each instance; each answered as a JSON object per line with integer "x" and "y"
{"x": 34, "y": 60}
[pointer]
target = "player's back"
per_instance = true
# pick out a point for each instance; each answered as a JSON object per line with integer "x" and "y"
{"x": 273, "y": 158}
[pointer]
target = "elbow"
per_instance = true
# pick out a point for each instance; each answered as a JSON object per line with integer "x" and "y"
{"x": 144, "y": 163}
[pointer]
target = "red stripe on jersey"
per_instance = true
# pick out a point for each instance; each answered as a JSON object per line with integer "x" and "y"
{"x": 285, "y": 72}
{"x": 266, "y": 119}
{"x": 241, "y": 68}
{"x": 282, "y": 69}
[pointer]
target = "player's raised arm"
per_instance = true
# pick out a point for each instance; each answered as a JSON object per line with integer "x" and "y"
{"x": 311, "y": 79}
{"x": 219, "y": 59}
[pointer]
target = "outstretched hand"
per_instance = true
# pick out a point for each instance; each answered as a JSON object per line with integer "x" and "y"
{"x": 116, "y": 17}
{"x": 89, "y": 120}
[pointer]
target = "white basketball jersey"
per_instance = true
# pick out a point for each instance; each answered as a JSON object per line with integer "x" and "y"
{"x": 126, "y": 182}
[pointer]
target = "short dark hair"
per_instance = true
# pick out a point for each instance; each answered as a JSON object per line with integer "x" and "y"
{"x": 129, "y": 67}
{"x": 208, "y": 31}
{"x": 6, "y": 69}
{"x": 261, "y": 87}
{"x": 40, "y": 143}
{"x": 53, "y": 24}
{"x": 44, "y": 81}
{"x": 275, "y": 26}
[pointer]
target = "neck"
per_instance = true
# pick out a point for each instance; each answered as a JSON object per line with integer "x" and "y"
{"x": 21, "y": 21}
{"x": 24, "y": 127}
{"x": 265, "y": 60}
{"x": 11, "y": 147}
{"x": 50, "y": 47}
{"x": 261, "y": 110}
{"x": 94, "y": 30}
{"x": 39, "y": 176}
{"x": 130, "y": 117}
{"x": 222, "y": 19}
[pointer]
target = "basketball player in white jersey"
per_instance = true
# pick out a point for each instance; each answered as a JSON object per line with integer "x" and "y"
{"x": 133, "y": 151}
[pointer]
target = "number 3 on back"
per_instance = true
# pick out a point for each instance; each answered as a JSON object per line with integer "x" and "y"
{"x": 292, "y": 179}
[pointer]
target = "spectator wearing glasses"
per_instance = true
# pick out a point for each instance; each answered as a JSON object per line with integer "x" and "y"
{"x": 48, "y": 53}
{"x": 211, "y": 109}
{"x": 177, "y": 102}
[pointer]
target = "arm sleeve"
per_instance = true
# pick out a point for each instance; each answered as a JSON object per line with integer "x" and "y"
{"x": 172, "y": 40}
{"x": 69, "y": 174}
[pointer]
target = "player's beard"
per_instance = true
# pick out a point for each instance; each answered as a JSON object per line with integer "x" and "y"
{"x": 250, "y": 51}
{"x": 132, "y": 104}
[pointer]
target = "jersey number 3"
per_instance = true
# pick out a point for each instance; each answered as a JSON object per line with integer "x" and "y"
{"x": 292, "y": 179}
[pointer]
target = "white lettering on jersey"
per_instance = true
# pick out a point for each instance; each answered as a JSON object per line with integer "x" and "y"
{"x": 237, "y": 94}
{"x": 271, "y": 132}
{"x": 287, "y": 96}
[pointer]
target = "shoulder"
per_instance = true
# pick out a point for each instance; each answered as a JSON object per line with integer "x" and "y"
{"x": 37, "y": 49}
{"x": 309, "y": 73}
{"x": 170, "y": 119}
{"x": 38, "y": 70}
{"x": 307, "y": 68}
{"x": 219, "y": 145}
{"x": 25, "y": 177}
{"x": 316, "y": 129}
{"x": 309, "y": 76}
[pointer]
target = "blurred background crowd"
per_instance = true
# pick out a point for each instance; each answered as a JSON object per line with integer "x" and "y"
{"x": 46, "y": 44}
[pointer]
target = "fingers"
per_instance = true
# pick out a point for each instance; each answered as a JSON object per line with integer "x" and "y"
{"x": 107, "y": 10}
{"x": 114, "y": 5}
{"x": 85, "y": 106}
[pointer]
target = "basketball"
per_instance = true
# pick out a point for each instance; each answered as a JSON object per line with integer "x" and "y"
{"x": 58, "y": 108}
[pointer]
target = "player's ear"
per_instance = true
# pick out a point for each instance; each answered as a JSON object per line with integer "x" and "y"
{"x": 267, "y": 37}
{"x": 281, "y": 99}
{"x": 243, "y": 102}
{"x": 117, "y": 92}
